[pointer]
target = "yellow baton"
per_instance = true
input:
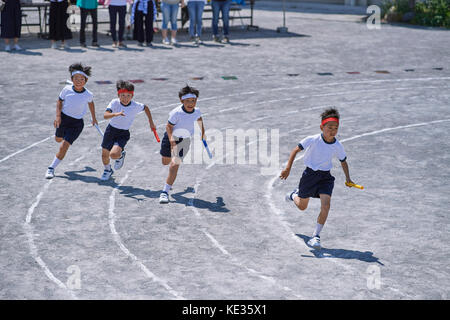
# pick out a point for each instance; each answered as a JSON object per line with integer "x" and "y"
{"x": 349, "y": 184}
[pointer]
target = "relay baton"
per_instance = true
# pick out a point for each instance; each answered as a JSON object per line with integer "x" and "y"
{"x": 156, "y": 134}
{"x": 349, "y": 184}
{"x": 98, "y": 129}
{"x": 207, "y": 149}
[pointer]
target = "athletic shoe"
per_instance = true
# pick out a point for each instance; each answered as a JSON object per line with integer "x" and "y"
{"x": 107, "y": 174}
{"x": 164, "y": 197}
{"x": 148, "y": 44}
{"x": 290, "y": 196}
{"x": 166, "y": 41}
{"x": 54, "y": 45}
{"x": 315, "y": 242}
{"x": 17, "y": 47}
{"x": 225, "y": 40}
{"x": 114, "y": 45}
{"x": 119, "y": 162}
{"x": 216, "y": 39}
{"x": 50, "y": 173}
{"x": 7, "y": 48}
{"x": 83, "y": 45}
{"x": 122, "y": 45}
{"x": 173, "y": 41}
{"x": 65, "y": 46}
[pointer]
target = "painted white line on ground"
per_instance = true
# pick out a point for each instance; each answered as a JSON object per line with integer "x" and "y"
{"x": 118, "y": 240}
{"x": 279, "y": 214}
{"x": 33, "y": 249}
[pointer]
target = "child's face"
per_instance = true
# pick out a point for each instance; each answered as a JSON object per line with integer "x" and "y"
{"x": 79, "y": 81}
{"x": 330, "y": 129}
{"x": 125, "y": 97}
{"x": 189, "y": 103}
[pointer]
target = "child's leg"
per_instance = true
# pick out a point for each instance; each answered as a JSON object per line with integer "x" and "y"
{"x": 301, "y": 203}
{"x": 116, "y": 152}
{"x": 105, "y": 156}
{"x": 166, "y": 160}
{"x": 173, "y": 170}
{"x": 62, "y": 149}
{"x": 325, "y": 201}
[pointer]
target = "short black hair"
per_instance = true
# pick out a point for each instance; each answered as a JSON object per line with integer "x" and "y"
{"x": 80, "y": 67}
{"x": 121, "y": 84}
{"x": 187, "y": 89}
{"x": 330, "y": 113}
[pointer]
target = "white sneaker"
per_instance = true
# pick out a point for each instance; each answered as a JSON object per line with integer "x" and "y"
{"x": 119, "y": 162}
{"x": 7, "y": 48}
{"x": 315, "y": 242}
{"x": 163, "y": 197}
{"x": 50, "y": 173}
{"x": 173, "y": 42}
{"x": 17, "y": 47}
{"x": 166, "y": 41}
{"x": 54, "y": 45}
{"x": 107, "y": 174}
{"x": 65, "y": 46}
{"x": 290, "y": 196}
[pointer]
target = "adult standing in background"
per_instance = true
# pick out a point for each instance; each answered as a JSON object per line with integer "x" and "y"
{"x": 195, "y": 8}
{"x": 117, "y": 8}
{"x": 143, "y": 13}
{"x": 224, "y": 7}
{"x": 57, "y": 21}
{"x": 88, "y": 7}
{"x": 169, "y": 10}
{"x": 11, "y": 23}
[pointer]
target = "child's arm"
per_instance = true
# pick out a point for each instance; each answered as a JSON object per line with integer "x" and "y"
{"x": 169, "y": 130}
{"x": 92, "y": 109}
{"x": 109, "y": 114}
{"x": 149, "y": 116}
{"x": 285, "y": 173}
{"x": 59, "y": 106}
{"x": 346, "y": 172}
{"x": 202, "y": 127}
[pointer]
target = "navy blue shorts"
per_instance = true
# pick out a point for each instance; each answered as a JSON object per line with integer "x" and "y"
{"x": 183, "y": 149}
{"x": 69, "y": 128}
{"x": 313, "y": 183}
{"x": 115, "y": 136}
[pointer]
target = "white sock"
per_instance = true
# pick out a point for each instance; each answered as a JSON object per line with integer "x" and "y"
{"x": 55, "y": 163}
{"x": 167, "y": 187}
{"x": 108, "y": 167}
{"x": 318, "y": 229}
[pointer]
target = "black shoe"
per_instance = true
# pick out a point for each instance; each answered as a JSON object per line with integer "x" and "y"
{"x": 83, "y": 45}
{"x": 216, "y": 39}
{"x": 225, "y": 40}
{"x": 95, "y": 44}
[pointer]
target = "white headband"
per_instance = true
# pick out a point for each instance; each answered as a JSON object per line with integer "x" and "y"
{"x": 187, "y": 96}
{"x": 79, "y": 72}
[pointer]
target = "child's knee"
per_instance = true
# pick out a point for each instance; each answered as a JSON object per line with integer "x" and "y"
{"x": 58, "y": 139}
{"x": 165, "y": 161}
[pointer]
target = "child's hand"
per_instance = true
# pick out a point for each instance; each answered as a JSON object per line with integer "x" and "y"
{"x": 285, "y": 173}
{"x": 204, "y": 137}
{"x": 152, "y": 126}
{"x": 348, "y": 181}
{"x": 57, "y": 121}
{"x": 121, "y": 113}
{"x": 94, "y": 122}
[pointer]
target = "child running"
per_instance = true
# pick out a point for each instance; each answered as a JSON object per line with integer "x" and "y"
{"x": 316, "y": 180}
{"x": 71, "y": 106}
{"x": 176, "y": 141}
{"x": 122, "y": 112}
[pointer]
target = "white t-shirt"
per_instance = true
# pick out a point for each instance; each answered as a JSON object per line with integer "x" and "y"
{"x": 318, "y": 153}
{"x": 183, "y": 121}
{"x": 75, "y": 104}
{"x": 124, "y": 122}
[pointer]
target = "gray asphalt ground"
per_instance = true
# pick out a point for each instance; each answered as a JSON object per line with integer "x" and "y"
{"x": 227, "y": 232}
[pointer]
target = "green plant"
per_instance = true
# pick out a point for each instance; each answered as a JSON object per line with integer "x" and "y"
{"x": 435, "y": 13}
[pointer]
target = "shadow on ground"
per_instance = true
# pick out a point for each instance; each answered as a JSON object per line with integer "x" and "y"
{"x": 218, "y": 206}
{"x": 365, "y": 256}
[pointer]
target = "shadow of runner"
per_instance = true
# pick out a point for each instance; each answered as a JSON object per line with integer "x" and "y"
{"x": 218, "y": 206}
{"x": 365, "y": 256}
{"x": 127, "y": 191}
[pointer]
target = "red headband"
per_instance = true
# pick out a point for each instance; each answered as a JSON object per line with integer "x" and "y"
{"x": 330, "y": 119}
{"x": 124, "y": 91}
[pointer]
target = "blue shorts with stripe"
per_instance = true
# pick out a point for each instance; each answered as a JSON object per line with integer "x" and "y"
{"x": 313, "y": 183}
{"x": 69, "y": 128}
{"x": 114, "y": 136}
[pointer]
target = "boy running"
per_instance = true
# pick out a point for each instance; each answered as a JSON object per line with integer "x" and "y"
{"x": 177, "y": 138}
{"x": 122, "y": 112}
{"x": 316, "y": 180}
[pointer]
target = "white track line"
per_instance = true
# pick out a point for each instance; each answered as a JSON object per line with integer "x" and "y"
{"x": 118, "y": 240}
{"x": 253, "y": 92}
{"x": 33, "y": 249}
{"x": 278, "y": 213}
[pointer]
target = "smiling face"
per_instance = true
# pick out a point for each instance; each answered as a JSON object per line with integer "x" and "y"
{"x": 79, "y": 81}
{"x": 125, "y": 97}
{"x": 330, "y": 130}
{"x": 189, "y": 103}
